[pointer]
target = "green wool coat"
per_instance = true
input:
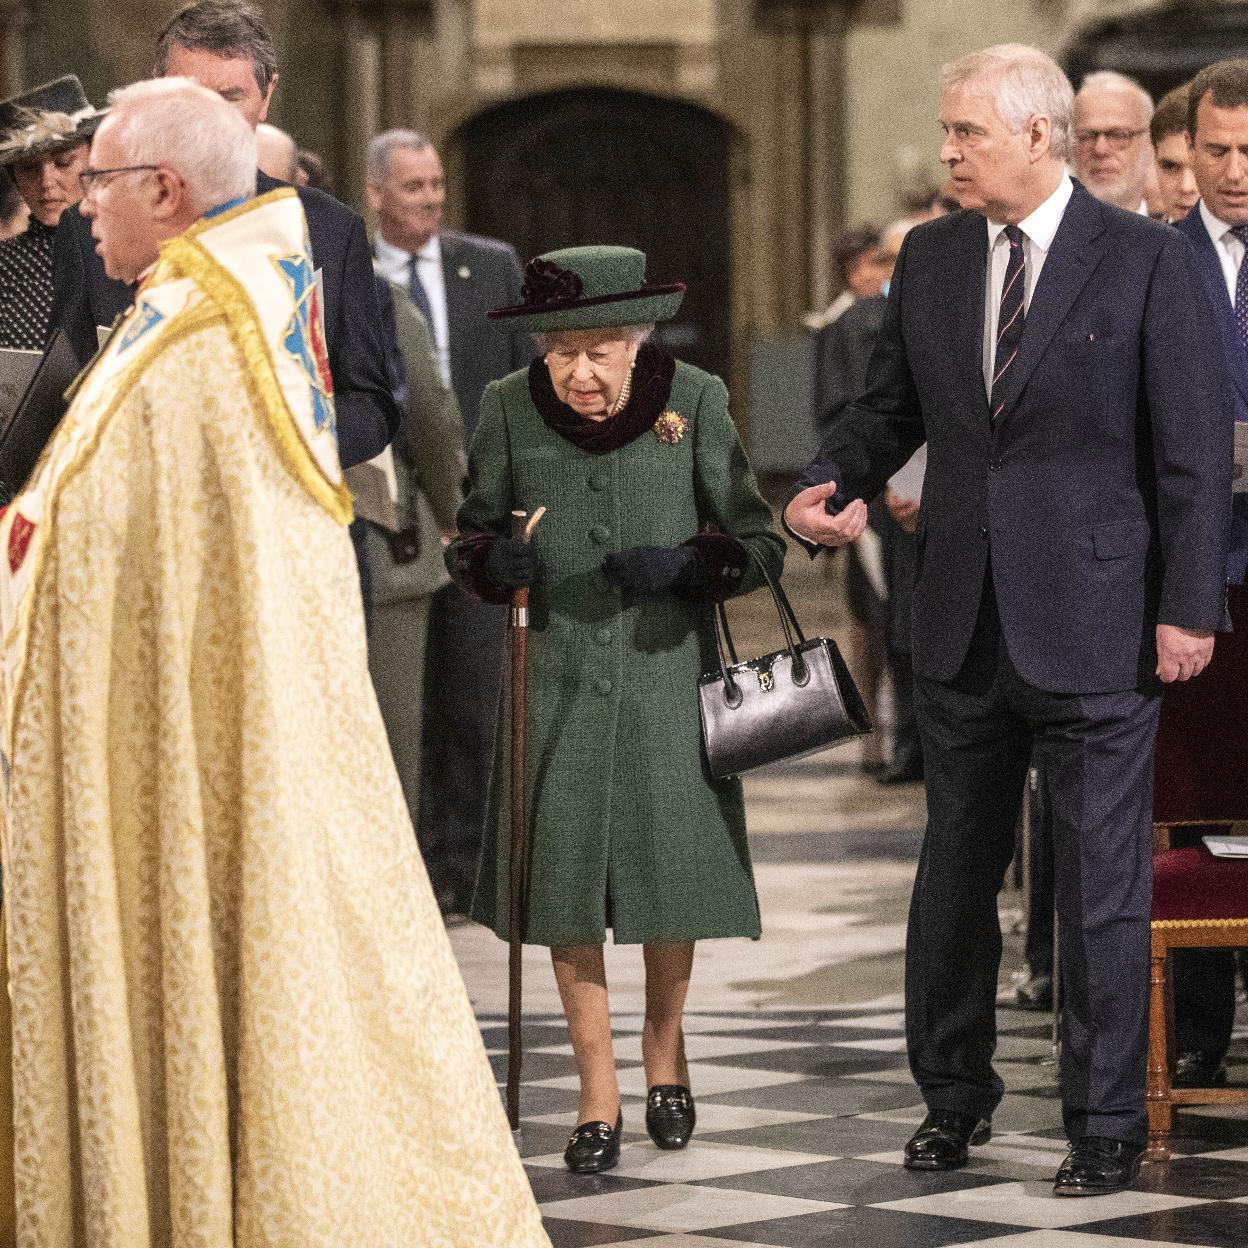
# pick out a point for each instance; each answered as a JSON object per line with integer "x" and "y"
{"x": 628, "y": 828}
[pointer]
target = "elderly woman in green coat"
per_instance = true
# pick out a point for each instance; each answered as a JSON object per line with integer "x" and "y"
{"x": 653, "y": 513}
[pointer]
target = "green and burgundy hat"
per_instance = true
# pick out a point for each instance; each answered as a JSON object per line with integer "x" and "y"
{"x": 589, "y": 288}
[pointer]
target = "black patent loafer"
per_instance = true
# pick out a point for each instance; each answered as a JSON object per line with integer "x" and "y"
{"x": 1198, "y": 1068}
{"x": 1097, "y": 1165}
{"x": 670, "y": 1115}
{"x": 594, "y": 1147}
{"x": 941, "y": 1142}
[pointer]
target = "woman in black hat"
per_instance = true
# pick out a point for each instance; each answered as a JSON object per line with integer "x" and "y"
{"x": 44, "y": 137}
{"x": 653, "y": 513}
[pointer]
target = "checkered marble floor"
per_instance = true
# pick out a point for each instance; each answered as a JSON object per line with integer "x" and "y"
{"x": 802, "y": 1116}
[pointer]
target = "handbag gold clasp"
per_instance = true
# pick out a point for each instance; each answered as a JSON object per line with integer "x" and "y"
{"x": 766, "y": 682}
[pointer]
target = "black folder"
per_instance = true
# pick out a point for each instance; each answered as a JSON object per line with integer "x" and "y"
{"x": 24, "y": 435}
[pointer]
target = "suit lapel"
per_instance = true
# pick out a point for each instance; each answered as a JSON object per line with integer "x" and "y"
{"x": 1193, "y": 225}
{"x": 1071, "y": 261}
{"x": 451, "y": 284}
{"x": 969, "y": 262}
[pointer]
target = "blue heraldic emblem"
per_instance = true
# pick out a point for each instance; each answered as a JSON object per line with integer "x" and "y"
{"x": 305, "y": 338}
{"x": 145, "y": 318}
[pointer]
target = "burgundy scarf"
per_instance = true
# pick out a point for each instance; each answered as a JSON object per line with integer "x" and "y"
{"x": 652, "y": 387}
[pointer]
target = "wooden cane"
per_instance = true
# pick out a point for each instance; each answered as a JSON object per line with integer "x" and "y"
{"x": 522, "y": 526}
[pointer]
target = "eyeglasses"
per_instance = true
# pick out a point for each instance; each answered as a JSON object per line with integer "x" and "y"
{"x": 90, "y": 178}
{"x": 1116, "y": 138}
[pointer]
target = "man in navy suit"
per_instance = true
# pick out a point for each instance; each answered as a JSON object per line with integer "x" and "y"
{"x": 1217, "y": 134}
{"x": 223, "y": 45}
{"x": 1051, "y": 350}
{"x": 454, "y": 279}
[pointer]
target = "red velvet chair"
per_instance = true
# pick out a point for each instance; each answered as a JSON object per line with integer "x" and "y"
{"x": 1199, "y": 901}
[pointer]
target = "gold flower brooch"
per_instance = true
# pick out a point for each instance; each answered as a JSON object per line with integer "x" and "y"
{"x": 670, "y": 427}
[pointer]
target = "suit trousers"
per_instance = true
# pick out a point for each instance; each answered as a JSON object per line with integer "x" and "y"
{"x": 979, "y": 731}
{"x": 396, "y": 662}
{"x": 463, "y": 666}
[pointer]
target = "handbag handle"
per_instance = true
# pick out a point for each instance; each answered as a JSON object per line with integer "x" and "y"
{"x": 793, "y": 636}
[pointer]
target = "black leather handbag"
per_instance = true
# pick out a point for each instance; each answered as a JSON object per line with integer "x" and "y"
{"x": 787, "y": 704}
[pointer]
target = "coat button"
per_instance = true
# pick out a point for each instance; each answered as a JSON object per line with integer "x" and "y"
{"x": 602, "y": 685}
{"x": 995, "y": 465}
{"x": 983, "y": 530}
{"x": 603, "y": 636}
{"x": 597, "y": 481}
{"x": 600, "y": 534}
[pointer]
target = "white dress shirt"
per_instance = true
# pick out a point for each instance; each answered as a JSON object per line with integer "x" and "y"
{"x": 394, "y": 263}
{"x": 1038, "y": 231}
{"x": 1230, "y": 250}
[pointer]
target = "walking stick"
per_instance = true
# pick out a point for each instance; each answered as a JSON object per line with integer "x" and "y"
{"x": 522, "y": 526}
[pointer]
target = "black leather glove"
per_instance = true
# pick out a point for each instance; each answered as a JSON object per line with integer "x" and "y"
{"x": 513, "y": 565}
{"x": 648, "y": 570}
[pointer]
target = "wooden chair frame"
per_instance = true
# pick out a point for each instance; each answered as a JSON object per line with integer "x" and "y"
{"x": 1181, "y": 934}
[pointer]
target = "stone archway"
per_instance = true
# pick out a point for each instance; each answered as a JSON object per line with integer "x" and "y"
{"x": 592, "y": 165}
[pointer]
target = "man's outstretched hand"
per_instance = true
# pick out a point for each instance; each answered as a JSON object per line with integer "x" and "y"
{"x": 1181, "y": 652}
{"x": 806, "y": 516}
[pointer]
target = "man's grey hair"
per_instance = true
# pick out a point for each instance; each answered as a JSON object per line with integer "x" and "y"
{"x": 1028, "y": 83}
{"x": 388, "y": 141}
{"x": 227, "y": 28}
{"x": 1110, "y": 79}
{"x": 178, "y": 123}
{"x": 548, "y": 340}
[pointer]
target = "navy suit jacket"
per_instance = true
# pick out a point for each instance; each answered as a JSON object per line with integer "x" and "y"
{"x": 1193, "y": 225}
{"x": 1099, "y": 504}
{"x": 480, "y": 273}
{"x": 84, "y": 297}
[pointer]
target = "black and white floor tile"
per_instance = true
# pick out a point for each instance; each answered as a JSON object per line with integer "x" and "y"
{"x": 802, "y": 1116}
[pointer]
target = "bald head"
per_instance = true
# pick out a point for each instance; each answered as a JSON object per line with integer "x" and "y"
{"x": 1113, "y": 151}
{"x": 175, "y": 150}
{"x": 276, "y": 153}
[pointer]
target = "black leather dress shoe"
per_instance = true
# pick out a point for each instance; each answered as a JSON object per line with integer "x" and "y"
{"x": 670, "y": 1115}
{"x": 1097, "y": 1165}
{"x": 1033, "y": 993}
{"x": 1198, "y": 1068}
{"x": 941, "y": 1142}
{"x": 594, "y": 1146}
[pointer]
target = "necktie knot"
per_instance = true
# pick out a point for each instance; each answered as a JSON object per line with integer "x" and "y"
{"x": 1014, "y": 235}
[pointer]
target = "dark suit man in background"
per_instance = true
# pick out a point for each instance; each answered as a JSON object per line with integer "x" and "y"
{"x": 1113, "y": 154}
{"x": 1177, "y": 192}
{"x": 224, "y": 46}
{"x": 1050, "y": 349}
{"x": 1193, "y": 720}
{"x": 453, "y": 280}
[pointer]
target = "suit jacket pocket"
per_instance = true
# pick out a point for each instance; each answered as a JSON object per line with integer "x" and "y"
{"x": 1120, "y": 538}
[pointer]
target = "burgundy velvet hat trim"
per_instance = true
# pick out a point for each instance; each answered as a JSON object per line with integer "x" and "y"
{"x": 652, "y": 387}
{"x": 1191, "y": 883}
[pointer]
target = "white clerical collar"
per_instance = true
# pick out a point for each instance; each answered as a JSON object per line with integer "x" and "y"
{"x": 1041, "y": 225}
{"x": 1218, "y": 229}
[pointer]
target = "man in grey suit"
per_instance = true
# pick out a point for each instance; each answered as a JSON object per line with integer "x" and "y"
{"x": 453, "y": 279}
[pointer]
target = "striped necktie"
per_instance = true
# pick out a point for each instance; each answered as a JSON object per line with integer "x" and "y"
{"x": 1009, "y": 321}
{"x": 1241, "y": 287}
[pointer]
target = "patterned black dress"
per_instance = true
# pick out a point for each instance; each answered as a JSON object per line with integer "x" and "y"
{"x": 26, "y": 287}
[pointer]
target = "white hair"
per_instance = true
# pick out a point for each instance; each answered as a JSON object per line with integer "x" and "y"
{"x": 547, "y": 339}
{"x": 178, "y": 123}
{"x": 1028, "y": 84}
{"x": 383, "y": 144}
{"x": 1109, "y": 79}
